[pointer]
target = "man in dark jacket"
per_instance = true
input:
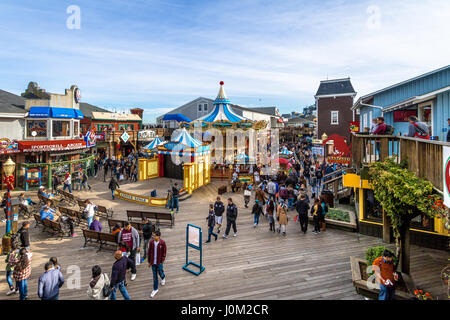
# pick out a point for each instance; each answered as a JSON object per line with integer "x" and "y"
{"x": 175, "y": 194}
{"x": 219, "y": 209}
{"x": 231, "y": 218}
{"x": 24, "y": 235}
{"x": 113, "y": 185}
{"x": 147, "y": 231}
{"x": 119, "y": 270}
{"x": 156, "y": 256}
{"x": 302, "y": 208}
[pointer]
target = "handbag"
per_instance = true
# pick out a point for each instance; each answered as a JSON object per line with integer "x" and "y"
{"x": 106, "y": 290}
{"x": 138, "y": 258}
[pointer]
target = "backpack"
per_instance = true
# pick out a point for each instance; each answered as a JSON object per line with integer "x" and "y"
{"x": 389, "y": 130}
{"x": 419, "y": 132}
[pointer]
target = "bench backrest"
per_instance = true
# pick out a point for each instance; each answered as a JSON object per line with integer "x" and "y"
{"x": 37, "y": 218}
{"x": 55, "y": 225}
{"x": 81, "y": 204}
{"x": 91, "y": 234}
{"x": 46, "y": 223}
{"x": 102, "y": 209}
{"x": 112, "y": 222}
{"x": 134, "y": 214}
{"x": 108, "y": 237}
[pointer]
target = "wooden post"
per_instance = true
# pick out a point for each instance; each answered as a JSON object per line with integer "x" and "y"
{"x": 405, "y": 253}
{"x": 386, "y": 228}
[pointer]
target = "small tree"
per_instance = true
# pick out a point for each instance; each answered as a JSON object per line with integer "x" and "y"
{"x": 403, "y": 196}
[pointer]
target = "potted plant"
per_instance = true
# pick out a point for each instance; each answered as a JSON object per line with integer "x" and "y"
{"x": 6, "y": 242}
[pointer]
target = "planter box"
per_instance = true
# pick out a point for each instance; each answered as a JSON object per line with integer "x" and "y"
{"x": 404, "y": 287}
{"x": 348, "y": 226}
{"x": 6, "y": 245}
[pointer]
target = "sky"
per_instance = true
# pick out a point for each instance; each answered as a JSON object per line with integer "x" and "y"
{"x": 161, "y": 54}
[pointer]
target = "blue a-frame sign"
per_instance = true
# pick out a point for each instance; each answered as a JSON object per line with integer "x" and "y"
{"x": 193, "y": 240}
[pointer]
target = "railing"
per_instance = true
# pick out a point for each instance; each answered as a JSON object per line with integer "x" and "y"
{"x": 114, "y": 136}
{"x": 424, "y": 157}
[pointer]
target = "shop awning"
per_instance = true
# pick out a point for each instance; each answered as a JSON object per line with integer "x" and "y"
{"x": 176, "y": 116}
{"x": 39, "y": 112}
{"x": 78, "y": 114}
{"x": 63, "y": 113}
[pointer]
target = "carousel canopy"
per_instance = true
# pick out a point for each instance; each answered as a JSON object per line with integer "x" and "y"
{"x": 186, "y": 139}
{"x": 222, "y": 112}
{"x": 156, "y": 142}
{"x": 177, "y": 117}
{"x": 286, "y": 153}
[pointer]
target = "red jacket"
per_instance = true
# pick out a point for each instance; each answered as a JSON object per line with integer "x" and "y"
{"x": 381, "y": 129}
{"x": 160, "y": 254}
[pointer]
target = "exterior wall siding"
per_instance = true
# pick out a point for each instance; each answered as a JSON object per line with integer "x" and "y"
{"x": 441, "y": 114}
{"x": 325, "y": 106}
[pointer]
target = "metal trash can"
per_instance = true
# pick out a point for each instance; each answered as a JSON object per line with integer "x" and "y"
{"x": 328, "y": 197}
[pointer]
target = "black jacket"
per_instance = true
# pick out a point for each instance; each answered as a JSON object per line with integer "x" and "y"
{"x": 119, "y": 270}
{"x": 24, "y": 238}
{"x": 232, "y": 212}
{"x": 219, "y": 208}
{"x": 256, "y": 209}
{"x": 211, "y": 218}
{"x": 113, "y": 185}
{"x": 302, "y": 207}
{"x": 448, "y": 135}
{"x": 147, "y": 230}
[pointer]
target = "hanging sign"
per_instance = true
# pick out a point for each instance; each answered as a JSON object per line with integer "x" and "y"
{"x": 125, "y": 136}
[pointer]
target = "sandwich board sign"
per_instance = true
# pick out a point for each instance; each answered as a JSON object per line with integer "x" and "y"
{"x": 446, "y": 175}
{"x": 194, "y": 241}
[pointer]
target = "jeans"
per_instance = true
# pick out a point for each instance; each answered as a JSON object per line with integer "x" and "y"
{"x": 271, "y": 222}
{"x": 9, "y": 279}
{"x": 132, "y": 257}
{"x": 67, "y": 186}
{"x": 89, "y": 220}
{"x": 157, "y": 268}
{"x": 210, "y": 233}
{"x": 256, "y": 219}
{"x": 122, "y": 289}
{"x": 272, "y": 197}
{"x": 175, "y": 202}
{"x": 386, "y": 293}
{"x": 85, "y": 185}
{"x": 291, "y": 203}
{"x": 23, "y": 289}
{"x": 316, "y": 223}
{"x": 229, "y": 224}
{"x": 112, "y": 192}
{"x": 303, "y": 219}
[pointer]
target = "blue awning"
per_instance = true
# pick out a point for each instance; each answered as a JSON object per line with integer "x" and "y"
{"x": 176, "y": 116}
{"x": 39, "y": 112}
{"x": 79, "y": 114}
{"x": 63, "y": 113}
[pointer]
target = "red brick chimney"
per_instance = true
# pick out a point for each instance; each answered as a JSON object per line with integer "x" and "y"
{"x": 138, "y": 111}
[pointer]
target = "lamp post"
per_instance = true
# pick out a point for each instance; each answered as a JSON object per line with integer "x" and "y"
{"x": 8, "y": 169}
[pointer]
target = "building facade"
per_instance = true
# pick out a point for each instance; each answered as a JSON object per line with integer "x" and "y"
{"x": 426, "y": 96}
{"x": 334, "y": 101}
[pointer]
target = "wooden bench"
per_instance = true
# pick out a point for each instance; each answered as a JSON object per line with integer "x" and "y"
{"x": 37, "y": 217}
{"x": 43, "y": 200}
{"x": 222, "y": 190}
{"x": 68, "y": 197}
{"x": 81, "y": 204}
{"x": 161, "y": 218}
{"x": 104, "y": 212}
{"x": 76, "y": 216}
{"x": 103, "y": 239}
{"x": 53, "y": 227}
{"x": 137, "y": 225}
{"x": 26, "y": 211}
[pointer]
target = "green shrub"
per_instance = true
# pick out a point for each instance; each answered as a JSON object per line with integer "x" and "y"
{"x": 375, "y": 252}
{"x": 339, "y": 215}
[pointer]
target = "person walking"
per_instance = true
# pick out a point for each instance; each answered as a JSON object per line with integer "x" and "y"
{"x": 211, "y": 219}
{"x": 84, "y": 181}
{"x": 175, "y": 194}
{"x": 272, "y": 190}
{"x": 316, "y": 211}
{"x": 24, "y": 235}
{"x": 282, "y": 217}
{"x": 270, "y": 208}
{"x": 130, "y": 236}
{"x": 247, "y": 194}
{"x": 22, "y": 271}
{"x": 156, "y": 256}
{"x": 119, "y": 270}
{"x": 385, "y": 275}
{"x": 105, "y": 170}
{"x": 219, "y": 209}
{"x": 50, "y": 282}
{"x": 147, "y": 231}
{"x": 68, "y": 182}
{"x": 323, "y": 225}
{"x": 417, "y": 128}
{"x": 10, "y": 269}
{"x": 96, "y": 289}
{"x": 113, "y": 185}
{"x": 261, "y": 197}
{"x": 89, "y": 212}
{"x": 256, "y": 211}
{"x": 302, "y": 208}
{"x": 55, "y": 183}
{"x": 232, "y": 213}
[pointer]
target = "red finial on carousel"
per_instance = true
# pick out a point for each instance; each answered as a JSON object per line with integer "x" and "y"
{"x": 221, "y": 83}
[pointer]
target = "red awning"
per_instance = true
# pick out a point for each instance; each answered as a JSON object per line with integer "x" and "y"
{"x": 39, "y": 146}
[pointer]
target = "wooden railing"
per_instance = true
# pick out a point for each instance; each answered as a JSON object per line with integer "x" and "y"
{"x": 424, "y": 157}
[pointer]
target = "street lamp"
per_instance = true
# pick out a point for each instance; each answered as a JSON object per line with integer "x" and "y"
{"x": 8, "y": 169}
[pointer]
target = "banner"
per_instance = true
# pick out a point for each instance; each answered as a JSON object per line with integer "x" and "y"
{"x": 354, "y": 126}
{"x": 317, "y": 151}
{"x": 59, "y": 145}
{"x": 446, "y": 175}
{"x": 90, "y": 138}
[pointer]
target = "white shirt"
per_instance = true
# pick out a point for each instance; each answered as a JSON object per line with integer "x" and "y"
{"x": 68, "y": 180}
{"x": 90, "y": 212}
{"x": 156, "y": 251}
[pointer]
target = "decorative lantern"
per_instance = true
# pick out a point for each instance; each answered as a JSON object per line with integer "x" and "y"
{"x": 8, "y": 167}
{"x": 324, "y": 136}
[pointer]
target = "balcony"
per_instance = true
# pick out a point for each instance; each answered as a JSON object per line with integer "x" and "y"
{"x": 424, "y": 156}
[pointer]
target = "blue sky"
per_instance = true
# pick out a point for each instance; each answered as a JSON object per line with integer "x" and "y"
{"x": 161, "y": 54}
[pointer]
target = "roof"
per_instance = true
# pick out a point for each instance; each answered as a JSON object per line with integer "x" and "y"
{"x": 267, "y": 110}
{"x": 11, "y": 103}
{"x": 335, "y": 87}
{"x": 176, "y": 116}
{"x": 185, "y": 138}
{"x": 87, "y": 109}
{"x": 115, "y": 116}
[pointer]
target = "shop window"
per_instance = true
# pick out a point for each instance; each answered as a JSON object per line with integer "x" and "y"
{"x": 40, "y": 126}
{"x": 423, "y": 222}
{"x": 61, "y": 128}
{"x": 104, "y": 126}
{"x": 205, "y": 107}
{"x": 372, "y": 208}
{"x": 76, "y": 129}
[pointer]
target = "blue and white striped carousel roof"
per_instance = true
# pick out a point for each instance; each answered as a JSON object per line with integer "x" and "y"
{"x": 185, "y": 138}
{"x": 286, "y": 152}
{"x": 222, "y": 110}
{"x": 156, "y": 142}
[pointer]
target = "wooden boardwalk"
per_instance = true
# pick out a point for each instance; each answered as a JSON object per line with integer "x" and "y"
{"x": 255, "y": 265}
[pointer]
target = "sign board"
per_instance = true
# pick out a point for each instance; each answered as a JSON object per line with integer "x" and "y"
{"x": 402, "y": 115}
{"x": 40, "y": 146}
{"x": 317, "y": 151}
{"x": 446, "y": 175}
{"x": 338, "y": 160}
{"x": 354, "y": 126}
{"x": 125, "y": 136}
{"x": 194, "y": 241}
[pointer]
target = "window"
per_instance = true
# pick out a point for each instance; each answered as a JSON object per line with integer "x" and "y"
{"x": 40, "y": 126}
{"x": 76, "y": 126}
{"x": 200, "y": 107}
{"x": 60, "y": 128}
{"x": 365, "y": 121}
{"x": 422, "y": 222}
{"x": 372, "y": 209}
{"x": 334, "y": 117}
{"x": 205, "y": 107}
{"x": 104, "y": 126}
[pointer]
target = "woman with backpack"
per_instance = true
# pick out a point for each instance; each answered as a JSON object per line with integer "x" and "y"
{"x": 98, "y": 288}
